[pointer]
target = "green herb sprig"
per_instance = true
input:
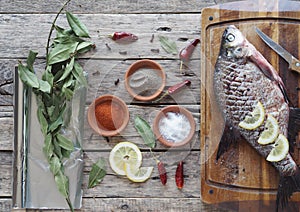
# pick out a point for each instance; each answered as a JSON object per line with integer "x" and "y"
{"x": 62, "y": 76}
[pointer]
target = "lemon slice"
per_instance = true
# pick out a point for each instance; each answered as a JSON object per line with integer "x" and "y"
{"x": 271, "y": 131}
{"x": 138, "y": 175}
{"x": 255, "y": 119}
{"x": 125, "y": 153}
{"x": 280, "y": 149}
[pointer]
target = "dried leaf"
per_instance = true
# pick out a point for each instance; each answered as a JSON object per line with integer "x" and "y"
{"x": 62, "y": 183}
{"x": 145, "y": 131}
{"x": 84, "y": 47}
{"x": 55, "y": 165}
{"x": 168, "y": 45}
{"x": 48, "y": 147}
{"x": 44, "y": 86}
{"x": 68, "y": 69}
{"x": 42, "y": 120}
{"x": 30, "y": 60}
{"x": 54, "y": 125}
{"x": 27, "y": 76}
{"x": 64, "y": 143}
{"x": 78, "y": 74}
{"x": 76, "y": 25}
{"x": 97, "y": 173}
{"x": 62, "y": 52}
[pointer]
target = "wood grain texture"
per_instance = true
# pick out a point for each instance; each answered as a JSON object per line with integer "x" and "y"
{"x": 232, "y": 178}
{"x": 184, "y": 26}
{"x": 106, "y": 7}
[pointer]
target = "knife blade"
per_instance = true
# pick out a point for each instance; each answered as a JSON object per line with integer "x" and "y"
{"x": 294, "y": 64}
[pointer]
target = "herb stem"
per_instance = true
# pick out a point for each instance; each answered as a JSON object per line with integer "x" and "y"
{"x": 70, "y": 204}
{"x": 52, "y": 28}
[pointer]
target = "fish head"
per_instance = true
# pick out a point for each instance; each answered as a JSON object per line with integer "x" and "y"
{"x": 234, "y": 44}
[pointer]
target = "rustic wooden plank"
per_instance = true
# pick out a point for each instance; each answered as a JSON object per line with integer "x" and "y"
{"x": 5, "y": 204}
{"x": 7, "y": 133}
{"x": 93, "y": 141}
{"x": 6, "y": 81}
{"x": 6, "y": 160}
{"x": 103, "y": 74}
{"x": 6, "y": 111}
{"x": 148, "y": 204}
{"x": 116, "y": 186}
{"x": 102, "y": 6}
{"x": 16, "y": 45}
{"x": 106, "y": 72}
{"x": 122, "y": 187}
{"x": 133, "y": 204}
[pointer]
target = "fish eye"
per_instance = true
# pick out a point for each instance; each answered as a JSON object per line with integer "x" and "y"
{"x": 230, "y": 37}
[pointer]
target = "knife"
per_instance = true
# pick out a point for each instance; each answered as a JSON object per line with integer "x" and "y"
{"x": 294, "y": 63}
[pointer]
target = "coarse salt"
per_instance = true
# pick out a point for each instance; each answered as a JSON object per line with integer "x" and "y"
{"x": 174, "y": 127}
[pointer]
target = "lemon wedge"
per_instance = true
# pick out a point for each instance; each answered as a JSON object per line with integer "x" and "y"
{"x": 280, "y": 149}
{"x": 125, "y": 153}
{"x": 271, "y": 131}
{"x": 255, "y": 119}
{"x": 138, "y": 175}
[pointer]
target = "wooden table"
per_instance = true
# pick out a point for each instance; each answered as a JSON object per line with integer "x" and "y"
{"x": 24, "y": 26}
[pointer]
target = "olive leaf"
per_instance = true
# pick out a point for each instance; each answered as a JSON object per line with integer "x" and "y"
{"x": 168, "y": 45}
{"x": 76, "y": 25}
{"x": 61, "y": 52}
{"x": 62, "y": 183}
{"x": 145, "y": 131}
{"x": 97, "y": 173}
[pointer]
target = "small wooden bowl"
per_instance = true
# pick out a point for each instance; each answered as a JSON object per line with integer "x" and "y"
{"x": 145, "y": 63}
{"x": 162, "y": 114}
{"x": 120, "y": 120}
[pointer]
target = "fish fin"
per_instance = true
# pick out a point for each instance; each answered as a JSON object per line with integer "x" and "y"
{"x": 268, "y": 70}
{"x": 287, "y": 186}
{"x": 230, "y": 136}
{"x": 293, "y": 126}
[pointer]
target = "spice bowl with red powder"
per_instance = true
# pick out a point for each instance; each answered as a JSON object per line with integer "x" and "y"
{"x": 108, "y": 115}
{"x": 174, "y": 126}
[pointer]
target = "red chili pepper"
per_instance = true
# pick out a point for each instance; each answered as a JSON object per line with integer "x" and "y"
{"x": 179, "y": 175}
{"x": 186, "y": 52}
{"x": 123, "y": 36}
{"x": 175, "y": 88}
{"x": 162, "y": 172}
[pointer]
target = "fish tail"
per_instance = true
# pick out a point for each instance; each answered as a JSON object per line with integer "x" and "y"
{"x": 287, "y": 186}
{"x": 293, "y": 126}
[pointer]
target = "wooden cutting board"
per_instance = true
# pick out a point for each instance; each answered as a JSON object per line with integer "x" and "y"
{"x": 242, "y": 180}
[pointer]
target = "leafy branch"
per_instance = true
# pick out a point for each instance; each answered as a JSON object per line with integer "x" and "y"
{"x": 62, "y": 76}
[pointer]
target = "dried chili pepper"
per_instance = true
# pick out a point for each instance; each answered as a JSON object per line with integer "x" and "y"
{"x": 162, "y": 172}
{"x": 186, "y": 52}
{"x": 175, "y": 88}
{"x": 179, "y": 179}
{"x": 124, "y": 36}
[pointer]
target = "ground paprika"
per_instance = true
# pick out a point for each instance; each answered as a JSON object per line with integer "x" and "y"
{"x": 109, "y": 115}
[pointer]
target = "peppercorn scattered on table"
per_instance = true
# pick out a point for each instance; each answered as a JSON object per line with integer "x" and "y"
{"x": 25, "y": 26}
